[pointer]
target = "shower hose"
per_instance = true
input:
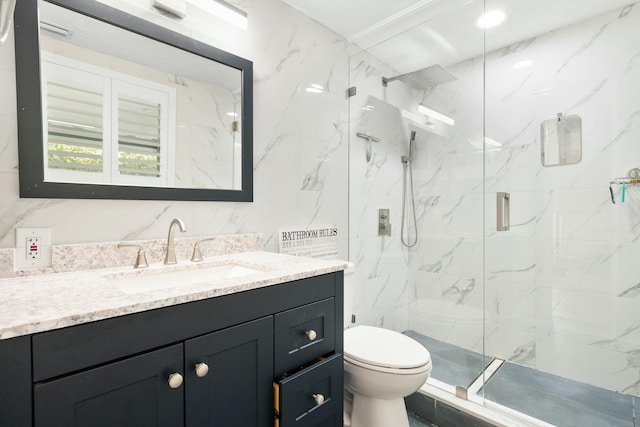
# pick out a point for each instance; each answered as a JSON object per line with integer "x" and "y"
{"x": 406, "y": 163}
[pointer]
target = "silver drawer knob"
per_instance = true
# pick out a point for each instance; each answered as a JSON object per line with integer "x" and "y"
{"x": 318, "y": 398}
{"x": 202, "y": 369}
{"x": 311, "y": 334}
{"x": 175, "y": 380}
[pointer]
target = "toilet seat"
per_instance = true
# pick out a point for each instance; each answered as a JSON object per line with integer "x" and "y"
{"x": 396, "y": 371}
{"x": 384, "y": 350}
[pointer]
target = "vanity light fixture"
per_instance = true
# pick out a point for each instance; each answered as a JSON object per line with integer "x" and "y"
{"x": 436, "y": 115}
{"x": 491, "y": 19}
{"x": 232, "y": 114}
{"x": 223, "y": 10}
{"x": 56, "y": 29}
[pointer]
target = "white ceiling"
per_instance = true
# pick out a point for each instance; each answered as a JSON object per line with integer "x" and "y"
{"x": 413, "y": 34}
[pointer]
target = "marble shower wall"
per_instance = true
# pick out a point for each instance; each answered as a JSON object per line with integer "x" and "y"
{"x": 300, "y": 140}
{"x": 561, "y": 288}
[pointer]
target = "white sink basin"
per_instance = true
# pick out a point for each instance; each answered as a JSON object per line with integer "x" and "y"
{"x": 147, "y": 280}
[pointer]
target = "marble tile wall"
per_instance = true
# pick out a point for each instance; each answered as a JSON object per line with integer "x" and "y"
{"x": 300, "y": 140}
{"x": 561, "y": 287}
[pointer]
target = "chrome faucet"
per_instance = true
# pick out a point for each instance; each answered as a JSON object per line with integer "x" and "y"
{"x": 170, "y": 255}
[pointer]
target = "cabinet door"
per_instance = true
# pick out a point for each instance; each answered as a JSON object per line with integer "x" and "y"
{"x": 236, "y": 390}
{"x": 131, "y": 392}
{"x": 15, "y": 394}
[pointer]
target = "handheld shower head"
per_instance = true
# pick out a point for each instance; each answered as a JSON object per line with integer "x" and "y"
{"x": 412, "y": 140}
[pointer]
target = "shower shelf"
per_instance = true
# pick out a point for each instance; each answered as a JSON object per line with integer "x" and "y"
{"x": 633, "y": 177}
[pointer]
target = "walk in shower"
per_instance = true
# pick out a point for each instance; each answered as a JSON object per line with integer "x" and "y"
{"x": 543, "y": 109}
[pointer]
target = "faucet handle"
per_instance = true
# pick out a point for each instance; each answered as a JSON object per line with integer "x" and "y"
{"x": 141, "y": 258}
{"x": 197, "y": 253}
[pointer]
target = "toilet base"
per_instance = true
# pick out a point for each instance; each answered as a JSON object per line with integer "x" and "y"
{"x": 372, "y": 412}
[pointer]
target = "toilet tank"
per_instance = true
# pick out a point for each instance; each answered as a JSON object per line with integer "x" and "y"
{"x": 349, "y": 289}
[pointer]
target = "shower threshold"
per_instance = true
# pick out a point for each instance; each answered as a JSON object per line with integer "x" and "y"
{"x": 484, "y": 410}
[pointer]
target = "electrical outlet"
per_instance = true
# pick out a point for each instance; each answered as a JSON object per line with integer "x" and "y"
{"x": 33, "y": 248}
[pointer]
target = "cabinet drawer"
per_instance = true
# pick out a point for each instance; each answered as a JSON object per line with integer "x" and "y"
{"x": 303, "y": 334}
{"x": 295, "y": 397}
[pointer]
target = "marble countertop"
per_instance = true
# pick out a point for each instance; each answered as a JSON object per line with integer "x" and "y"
{"x": 51, "y": 301}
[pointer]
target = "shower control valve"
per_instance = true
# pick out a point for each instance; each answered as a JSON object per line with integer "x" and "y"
{"x": 384, "y": 222}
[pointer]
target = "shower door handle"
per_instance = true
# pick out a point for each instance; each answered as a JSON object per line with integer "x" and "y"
{"x": 503, "y": 211}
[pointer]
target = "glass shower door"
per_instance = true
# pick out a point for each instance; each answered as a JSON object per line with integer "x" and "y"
{"x": 562, "y": 282}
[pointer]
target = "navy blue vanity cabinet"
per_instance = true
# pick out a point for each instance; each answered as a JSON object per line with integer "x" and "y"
{"x": 222, "y": 362}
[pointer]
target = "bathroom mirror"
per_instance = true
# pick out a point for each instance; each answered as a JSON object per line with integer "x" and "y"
{"x": 561, "y": 140}
{"x": 111, "y": 106}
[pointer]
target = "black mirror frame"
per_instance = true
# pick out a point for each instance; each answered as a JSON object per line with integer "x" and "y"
{"x": 30, "y": 132}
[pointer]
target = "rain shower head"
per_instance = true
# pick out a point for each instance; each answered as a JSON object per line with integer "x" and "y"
{"x": 425, "y": 78}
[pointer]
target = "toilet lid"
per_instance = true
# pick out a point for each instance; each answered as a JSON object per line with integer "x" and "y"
{"x": 384, "y": 348}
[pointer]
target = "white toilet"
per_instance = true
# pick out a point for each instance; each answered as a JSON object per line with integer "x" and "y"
{"x": 381, "y": 367}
